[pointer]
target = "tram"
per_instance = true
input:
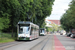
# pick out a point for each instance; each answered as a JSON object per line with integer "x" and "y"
{"x": 42, "y": 31}
{"x": 27, "y": 30}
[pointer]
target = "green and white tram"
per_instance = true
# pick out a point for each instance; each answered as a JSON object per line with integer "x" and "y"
{"x": 42, "y": 31}
{"x": 27, "y": 30}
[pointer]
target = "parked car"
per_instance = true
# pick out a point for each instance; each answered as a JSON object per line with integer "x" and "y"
{"x": 72, "y": 36}
{"x": 68, "y": 34}
{"x": 61, "y": 33}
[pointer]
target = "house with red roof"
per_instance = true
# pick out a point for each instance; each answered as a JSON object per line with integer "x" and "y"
{"x": 53, "y": 21}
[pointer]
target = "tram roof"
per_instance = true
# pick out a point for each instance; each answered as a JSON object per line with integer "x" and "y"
{"x": 24, "y": 22}
{"x": 27, "y": 22}
{"x": 42, "y": 28}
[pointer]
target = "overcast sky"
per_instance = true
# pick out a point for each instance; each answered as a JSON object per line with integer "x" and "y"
{"x": 59, "y": 8}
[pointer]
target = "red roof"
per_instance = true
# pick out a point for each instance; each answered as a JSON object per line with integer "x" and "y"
{"x": 55, "y": 21}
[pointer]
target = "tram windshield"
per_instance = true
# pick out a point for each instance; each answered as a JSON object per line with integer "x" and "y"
{"x": 24, "y": 30}
{"x": 42, "y": 31}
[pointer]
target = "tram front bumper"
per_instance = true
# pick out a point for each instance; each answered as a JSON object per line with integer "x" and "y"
{"x": 24, "y": 38}
{"x": 41, "y": 34}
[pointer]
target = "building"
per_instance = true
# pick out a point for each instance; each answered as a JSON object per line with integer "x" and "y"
{"x": 52, "y": 22}
{"x": 55, "y": 21}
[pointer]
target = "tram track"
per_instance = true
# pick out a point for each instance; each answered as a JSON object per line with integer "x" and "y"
{"x": 38, "y": 43}
{"x": 45, "y": 43}
{"x": 6, "y": 45}
{"x": 41, "y": 45}
{"x": 10, "y": 44}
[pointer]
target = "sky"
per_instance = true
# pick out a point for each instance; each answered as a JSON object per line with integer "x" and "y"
{"x": 59, "y": 8}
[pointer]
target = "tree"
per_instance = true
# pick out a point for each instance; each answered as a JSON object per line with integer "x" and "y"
{"x": 24, "y": 10}
{"x": 68, "y": 19}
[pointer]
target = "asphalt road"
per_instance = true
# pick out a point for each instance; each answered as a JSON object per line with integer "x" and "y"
{"x": 48, "y": 42}
{"x": 67, "y": 42}
{"x": 27, "y": 45}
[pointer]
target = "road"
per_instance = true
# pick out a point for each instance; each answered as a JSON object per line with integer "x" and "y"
{"x": 48, "y": 42}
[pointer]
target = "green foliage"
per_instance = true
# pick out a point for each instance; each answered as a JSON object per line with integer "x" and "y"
{"x": 54, "y": 27}
{"x": 68, "y": 19}
{"x": 6, "y": 37}
{"x": 12, "y": 11}
{"x": 4, "y": 23}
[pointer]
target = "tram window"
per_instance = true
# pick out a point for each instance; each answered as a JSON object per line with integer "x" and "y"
{"x": 24, "y": 29}
{"x": 24, "y": 24}
{"x": 20, "y": 30}
{"x": 31, "y": 31}
{"x": 28, "y": 28}
{"x": 42, "y": 31}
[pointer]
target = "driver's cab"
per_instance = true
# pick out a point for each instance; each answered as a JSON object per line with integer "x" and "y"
{"x": 24, "y": 31}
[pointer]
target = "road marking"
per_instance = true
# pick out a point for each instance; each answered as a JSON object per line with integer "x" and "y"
{"x": 58, "y": 45}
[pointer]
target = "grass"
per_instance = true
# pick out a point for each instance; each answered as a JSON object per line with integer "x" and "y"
{"x": 6, "y": 37}
{"x": 6, "y": 40}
